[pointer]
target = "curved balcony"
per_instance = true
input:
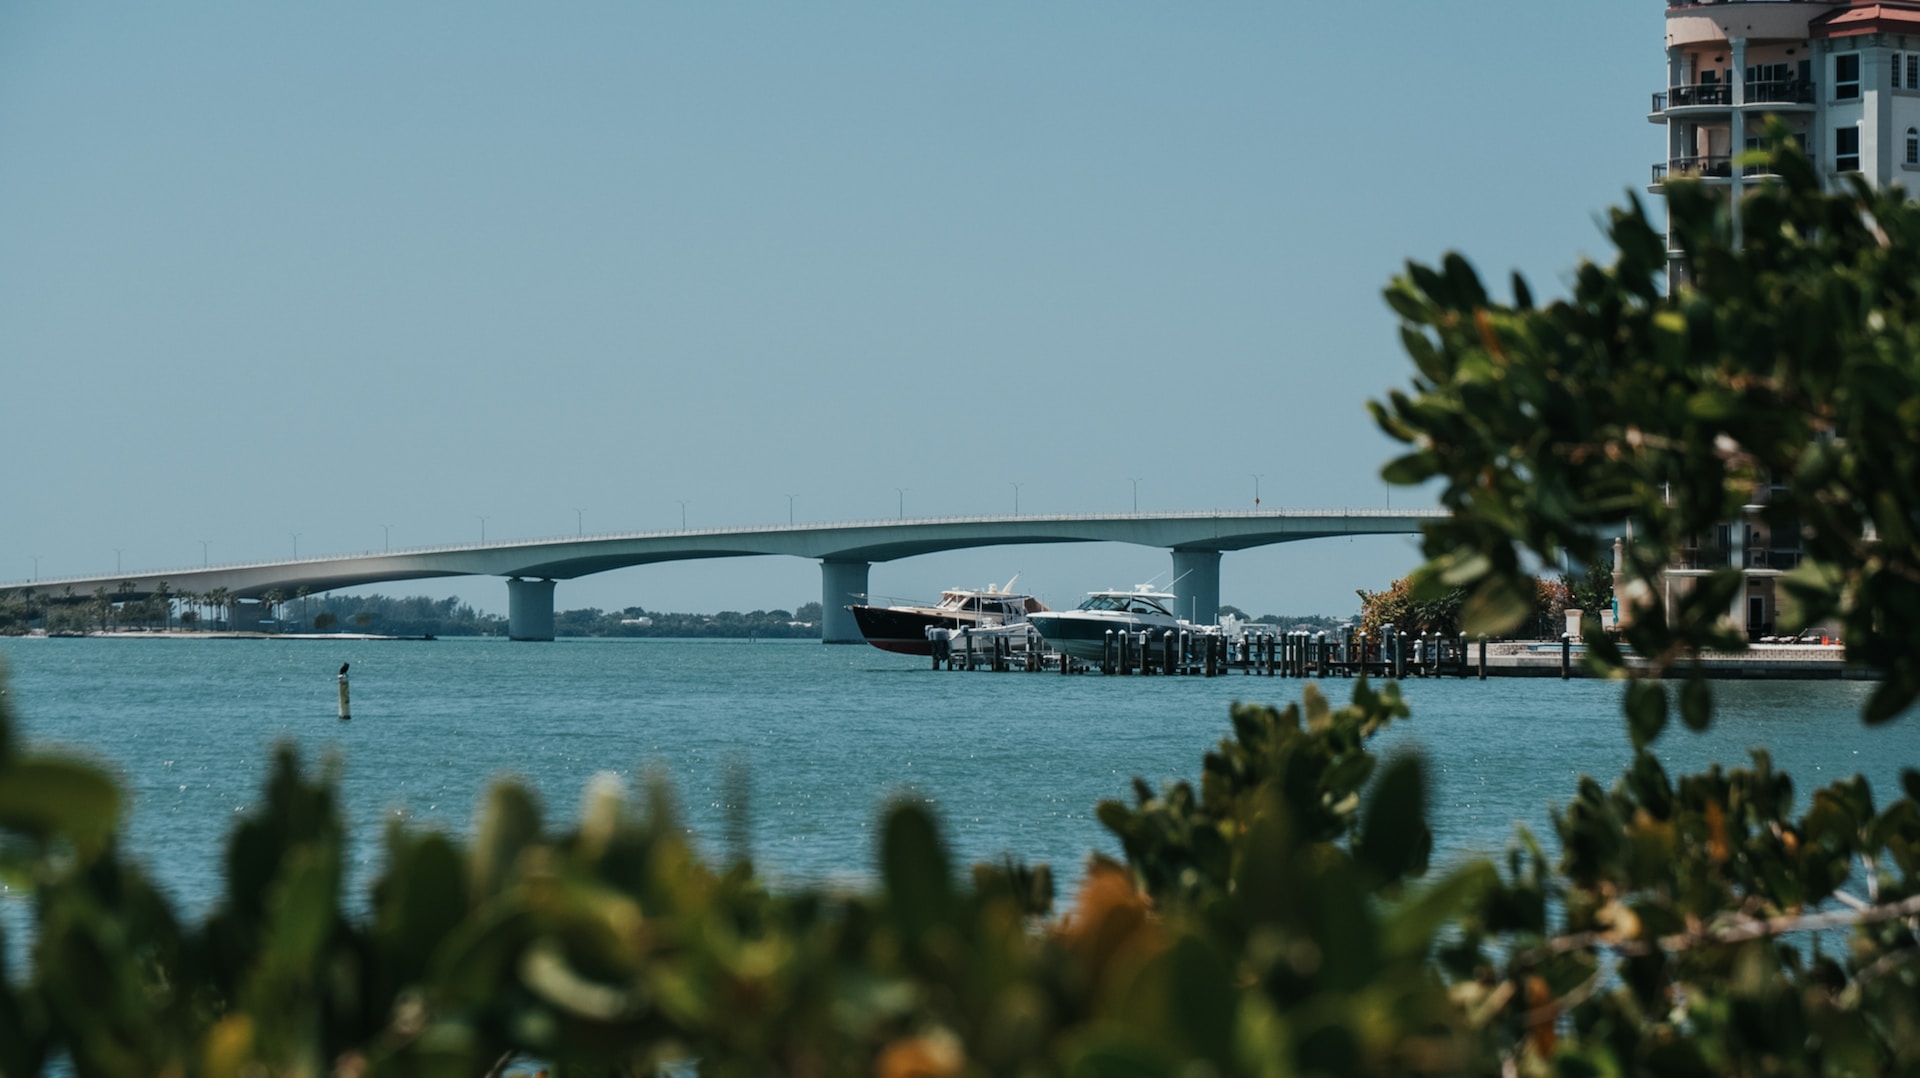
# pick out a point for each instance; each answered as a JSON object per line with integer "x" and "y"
{"x": 1771, "y": 95}
{"x": 1714, "y": 167}
{"x": 1707, "y": 95}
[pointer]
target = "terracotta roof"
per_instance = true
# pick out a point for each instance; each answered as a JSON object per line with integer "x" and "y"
{"x": 1866, "y": 18}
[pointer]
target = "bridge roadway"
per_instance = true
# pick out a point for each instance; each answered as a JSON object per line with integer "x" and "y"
{"x": 845, "y": 551}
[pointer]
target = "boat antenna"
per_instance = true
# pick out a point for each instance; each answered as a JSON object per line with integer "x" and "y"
{"x": 1008, "y": 586}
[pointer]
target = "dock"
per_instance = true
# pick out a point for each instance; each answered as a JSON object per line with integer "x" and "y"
{"x": 1187, "y": 654}
{"x": 1352, "y": 654}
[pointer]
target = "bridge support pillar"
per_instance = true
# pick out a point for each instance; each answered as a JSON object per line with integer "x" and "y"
{"x": 841, "y": 582}
{"x": 529, "y": 609}
{"x": 1196, "y": 580}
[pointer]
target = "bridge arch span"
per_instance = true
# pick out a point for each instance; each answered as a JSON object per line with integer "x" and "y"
{"x": 845, "y": 553}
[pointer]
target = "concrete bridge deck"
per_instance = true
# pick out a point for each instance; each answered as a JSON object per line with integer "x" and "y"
{"x": 845, "y": 551}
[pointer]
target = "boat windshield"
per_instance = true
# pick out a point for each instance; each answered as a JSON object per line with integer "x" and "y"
{"x": 1125, "y": 604}
{"x": 969, "y": 602}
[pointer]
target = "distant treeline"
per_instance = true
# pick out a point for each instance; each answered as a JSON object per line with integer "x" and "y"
{"x": 419, "y": 616}
{"x": 800, "y": 624}
{"x": 414, "y": 615}
{"x": 1307, "y": 622}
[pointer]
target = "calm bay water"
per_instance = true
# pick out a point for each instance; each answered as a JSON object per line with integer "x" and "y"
{"x": 825, "y": 737}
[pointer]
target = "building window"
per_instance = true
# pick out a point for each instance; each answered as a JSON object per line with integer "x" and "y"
{"x": 1913, "y": 145}
{"x": 1913, "y": 71}
{"x": 1846, "y": 149}
{"x": 1846, "y": 76}
{"x": 1896, "y": 71}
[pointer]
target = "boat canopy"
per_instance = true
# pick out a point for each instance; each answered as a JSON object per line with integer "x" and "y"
{"x": 1126, "y": 602}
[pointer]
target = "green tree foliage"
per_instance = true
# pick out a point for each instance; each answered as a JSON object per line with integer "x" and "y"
{"x": 1791, "y": 357}
{"x": 421, "y": 616}
{"x": 410, "y": 616}
{"x": 19, "y": 610}
{"x": 1396, "y": 606}
{"x": 1437, "y": 612}
{"x": 1592, "y": 589}
{"x": 727, "y": 624}
{"x": 1278, "y": 919}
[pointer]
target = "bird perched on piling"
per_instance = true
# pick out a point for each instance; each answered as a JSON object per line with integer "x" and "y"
{"x": 343, "y": 668}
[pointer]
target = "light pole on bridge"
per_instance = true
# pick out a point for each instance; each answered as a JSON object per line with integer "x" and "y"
{"x": 296, "y": 545}
{"x": 789, "y": 510}
{"x": 1016, "y": 495}
{"x": 579, "y": 522}
{"x": 683, "y": 512}
{"x": 386, "y": 538}
{"x": 1136, "y": 494}
{"x": 116, "y": 560}
{"x": 903, "y": 501}
{"x": 1256, "y": 490}
{"x": 483, "y": 531}
{"x": 36, "y": 568}
{"x": 205, "y": 559}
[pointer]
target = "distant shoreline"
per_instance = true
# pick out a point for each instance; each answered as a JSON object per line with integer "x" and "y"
{"x": 216, "y": 634}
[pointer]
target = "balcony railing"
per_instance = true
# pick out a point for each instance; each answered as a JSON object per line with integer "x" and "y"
{"x": 1707, "y": 93}
{"x": 1703, "y": 557}
{"x": 1718, "y": 165}
{"x": 1720, "y": 94}
{"x": 1719, "y": 557}
{"x": 1781, "y": 92}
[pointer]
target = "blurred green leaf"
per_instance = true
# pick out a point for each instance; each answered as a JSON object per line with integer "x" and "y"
{"x": 914, "y": 864}
{"x": 509, "y": 824}
{"x": 1696, "y": 702}
{"x": 1495, "y": 607}
{"x": 1394, "y": 840}
{"x": 46, "y": 797}
{"x": 1646, "y": 707}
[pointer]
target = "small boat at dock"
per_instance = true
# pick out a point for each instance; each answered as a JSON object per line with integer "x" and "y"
{"x": 1082, "y": 632}
{"x": 902, "y": 628}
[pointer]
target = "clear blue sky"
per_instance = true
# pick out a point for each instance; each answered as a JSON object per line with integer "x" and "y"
{"x": 315, "y": 269}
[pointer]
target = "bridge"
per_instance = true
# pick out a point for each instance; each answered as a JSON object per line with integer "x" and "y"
{"x": 845, "y": 551}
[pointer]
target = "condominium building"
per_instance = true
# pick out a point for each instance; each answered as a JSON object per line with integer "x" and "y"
{"x": 1845, "y": 79}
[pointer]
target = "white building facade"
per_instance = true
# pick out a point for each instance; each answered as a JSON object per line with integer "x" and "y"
{"x": 1845, "y": 79}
